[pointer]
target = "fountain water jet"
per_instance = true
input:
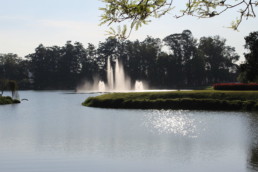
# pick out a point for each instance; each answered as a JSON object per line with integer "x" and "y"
{"x": 117, "y": 81}
{"x": 101, "y": 86}
{"x": 138, "y": 85}
{"x": 122, "y": 82}
{"x": 110, "y": 75}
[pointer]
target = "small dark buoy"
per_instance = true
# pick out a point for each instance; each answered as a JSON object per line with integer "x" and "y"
{"x": 24, "y": 99}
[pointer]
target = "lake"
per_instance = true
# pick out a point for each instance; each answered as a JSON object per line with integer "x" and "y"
{"x": 53, "y": 132}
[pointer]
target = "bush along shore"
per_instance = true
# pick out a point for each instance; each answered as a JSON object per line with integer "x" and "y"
{"x": 236, "y": 86}
{"x": 8, "y": 100}
{"x": 189, "y": 100}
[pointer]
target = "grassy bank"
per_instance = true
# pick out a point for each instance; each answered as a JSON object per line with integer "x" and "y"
{"x": 192, "y": 100}
{"x": 7, "y": 100}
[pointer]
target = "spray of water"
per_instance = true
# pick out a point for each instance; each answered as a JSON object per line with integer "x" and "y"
{"x": 117, "y": 81}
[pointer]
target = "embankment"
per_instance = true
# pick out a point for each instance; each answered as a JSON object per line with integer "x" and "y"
{"x": 191, "y": 100}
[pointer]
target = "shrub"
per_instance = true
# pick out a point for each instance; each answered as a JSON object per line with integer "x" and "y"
{"x": 5, "y": 100}
{"x": 235, "y": 86}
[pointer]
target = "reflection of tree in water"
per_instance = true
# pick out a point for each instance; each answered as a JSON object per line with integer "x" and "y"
{"x": 253, "y": 152}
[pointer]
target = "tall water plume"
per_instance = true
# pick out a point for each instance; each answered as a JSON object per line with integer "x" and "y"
{"x": 117, "y": 81}
{"x": 110, "y": 75}
{"x": 122, "y": 82}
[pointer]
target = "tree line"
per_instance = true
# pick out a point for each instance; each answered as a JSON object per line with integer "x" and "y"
{"x": 177, "y": 61}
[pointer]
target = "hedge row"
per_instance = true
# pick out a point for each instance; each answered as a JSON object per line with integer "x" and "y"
{"x": 235, "y": 86}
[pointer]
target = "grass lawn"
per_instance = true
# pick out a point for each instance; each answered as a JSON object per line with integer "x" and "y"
{"x": 192, "y": 100}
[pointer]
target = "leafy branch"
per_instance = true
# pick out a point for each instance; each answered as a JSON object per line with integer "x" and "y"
{"x": 139, "y": 12}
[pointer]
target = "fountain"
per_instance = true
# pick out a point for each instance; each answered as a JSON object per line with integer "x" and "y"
{"x": 120, "y": 82}
{"x": 139, "y": 85}
{"x": 117, "y": 81}
{"x": 101, "y": 86}
{"x": 110, "y": 75}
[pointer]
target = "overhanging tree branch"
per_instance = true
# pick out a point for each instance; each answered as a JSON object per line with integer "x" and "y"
{"x": 139, "y": 12}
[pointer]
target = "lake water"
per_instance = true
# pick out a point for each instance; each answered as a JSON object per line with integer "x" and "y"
{"x": 52, "y": 132}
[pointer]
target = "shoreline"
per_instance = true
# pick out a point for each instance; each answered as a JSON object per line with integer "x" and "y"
{"x": 186, "y": 100}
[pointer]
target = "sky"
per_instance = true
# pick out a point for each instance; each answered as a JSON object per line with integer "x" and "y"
{"x": 24, "y": 24}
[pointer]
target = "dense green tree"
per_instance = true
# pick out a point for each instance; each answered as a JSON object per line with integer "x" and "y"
{"x": 57, "y": 67}
{"x": 163, "y": 66}
{"x": 182, "y": 63}
{"x": 152, "y": 49}
{"x": 10, "y": 85}
{"x": 37, "y": 66}
{"x": 131, "y": 59}
{"x": 140, "y": 58}
{"x": 14, "y": 68}
{"x": 9, "y": 67}
{"x": 89, "y": 62}
{"x": 70, "y": 66}
{"x": 3, "y": 84}
{"x": 183, "y": 50}
{"x": 219, "y": 59}
{"x": 44, "y": 66}
{"x": 196, "y": 71}
{"x": 249, "y": 69}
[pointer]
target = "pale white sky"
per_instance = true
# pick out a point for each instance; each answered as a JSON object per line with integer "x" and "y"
{"x": 27, "y": 23}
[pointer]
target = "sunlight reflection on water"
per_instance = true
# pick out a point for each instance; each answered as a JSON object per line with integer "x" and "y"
{"x": 178, "y": 122}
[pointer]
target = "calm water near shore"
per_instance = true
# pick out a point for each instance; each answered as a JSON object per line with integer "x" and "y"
{"x": 52, "y": 132}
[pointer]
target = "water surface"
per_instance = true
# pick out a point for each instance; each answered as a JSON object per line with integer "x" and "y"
{"x": 52, "y": 132}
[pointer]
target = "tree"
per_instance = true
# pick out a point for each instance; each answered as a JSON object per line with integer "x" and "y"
{"x": 187, "y": 64}
{"x": 132, "y": 59}
{"x": 249, "y": 69}
{"x": 44, "y": 65}
{"x": 89, "y": 63}
{"x": 3, "y": 85}
{"x": 219, "y": 59}
{"x": 151, "y": 48}
{"x": 164, "y": 65}
{"x": 139, "y": 12}
{"x": 12, "y": 69}
{"x": 8, "y": 85}
{"x": 9, "y": 66}
{"x": 183, "y": 50}
{"x": 139, "y": 59}
{"x": 70, "y": 66}
{"x": 12, "y": 85}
